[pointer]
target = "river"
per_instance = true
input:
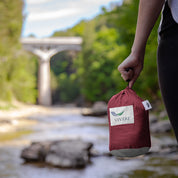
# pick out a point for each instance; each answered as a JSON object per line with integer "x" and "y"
{"x": 71, "y": 125}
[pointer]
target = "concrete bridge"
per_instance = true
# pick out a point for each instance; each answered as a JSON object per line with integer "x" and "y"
{"x": 45, "y": 48}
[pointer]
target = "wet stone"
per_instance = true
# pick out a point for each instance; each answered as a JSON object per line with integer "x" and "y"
{"x": 62, "y": 153}
{"x": 36, "y": 152}
{"x": 161, "y": 127}
{"x": 99, "y": 108}
{"x": 153, "y": 119}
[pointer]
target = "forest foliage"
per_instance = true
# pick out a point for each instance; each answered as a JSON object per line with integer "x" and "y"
{"x": 107, "y": 42}
{"x": 92, "y": 73}
{"x": 17, "y": 68}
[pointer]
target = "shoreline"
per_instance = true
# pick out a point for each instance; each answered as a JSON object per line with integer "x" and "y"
{"x": 22, "y": 110}
{"x": 15, "y": 121}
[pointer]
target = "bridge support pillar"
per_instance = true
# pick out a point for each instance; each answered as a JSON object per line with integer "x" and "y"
{"x": 44, "y": 89}
{"x": 45, "y": 48}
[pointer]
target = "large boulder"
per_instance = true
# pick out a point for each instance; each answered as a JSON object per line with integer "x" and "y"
{"x": 62, "y": 153}
{"x": 69, "y": 154}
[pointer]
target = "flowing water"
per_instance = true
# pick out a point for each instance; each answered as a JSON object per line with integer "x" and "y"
{"x": 75, "y": 126}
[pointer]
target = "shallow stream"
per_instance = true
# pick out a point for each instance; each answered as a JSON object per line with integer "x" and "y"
{"x": 71, "y": 126}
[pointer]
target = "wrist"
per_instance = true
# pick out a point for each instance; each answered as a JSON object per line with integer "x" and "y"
{"x": 139, "y": 46}
{"x": 139, "y": 53}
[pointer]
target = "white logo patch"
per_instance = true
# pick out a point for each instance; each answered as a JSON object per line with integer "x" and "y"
{"x": 121, "y": 115}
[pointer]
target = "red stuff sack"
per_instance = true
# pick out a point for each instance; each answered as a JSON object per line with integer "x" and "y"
{"x": 128, "y": 116}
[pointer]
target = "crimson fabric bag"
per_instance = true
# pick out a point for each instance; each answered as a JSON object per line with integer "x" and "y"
{"x": 128, "y": 117}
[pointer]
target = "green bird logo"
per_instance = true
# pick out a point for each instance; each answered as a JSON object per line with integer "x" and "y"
{"x": 115, "y": 114}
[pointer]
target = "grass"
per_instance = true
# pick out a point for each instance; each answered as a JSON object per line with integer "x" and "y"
{"x": 155, "y": 167}
{"x": 13, "y": 135}
{"x": 6, "y": 105}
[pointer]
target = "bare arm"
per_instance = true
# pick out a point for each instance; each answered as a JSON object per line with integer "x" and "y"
{"x": 148, "y": 13}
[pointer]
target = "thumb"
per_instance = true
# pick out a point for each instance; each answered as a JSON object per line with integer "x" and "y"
{"x": 132, "y": 81}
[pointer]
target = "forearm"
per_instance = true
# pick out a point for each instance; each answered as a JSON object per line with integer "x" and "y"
{"x": 148, "y": 13}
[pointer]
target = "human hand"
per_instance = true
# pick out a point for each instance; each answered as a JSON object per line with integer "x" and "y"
{"x": 131, "y": 67}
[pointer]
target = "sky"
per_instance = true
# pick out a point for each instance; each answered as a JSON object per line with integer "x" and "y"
{"x": 43, "y": 17}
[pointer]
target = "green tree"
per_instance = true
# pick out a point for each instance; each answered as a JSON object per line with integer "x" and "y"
{"x": 65, "y": 86}
{"x": 107, "y": 42}
{"x": 97, "y": 65}
{"x": 17, "y": 76}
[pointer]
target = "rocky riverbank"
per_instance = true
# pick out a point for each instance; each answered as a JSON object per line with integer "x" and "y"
{"x": 77, "y": 153}
{"x": 65, "y": 125}
{"x": 25, "y": 110}
{"x": 13, "y": 119}
{"x": 73, "y": 153}
{"x": 17, "y": 117}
